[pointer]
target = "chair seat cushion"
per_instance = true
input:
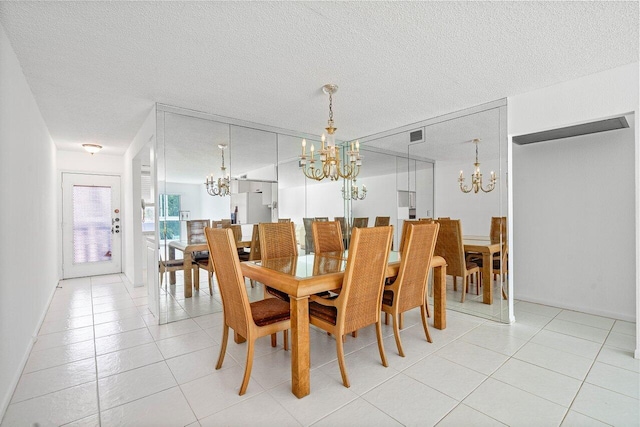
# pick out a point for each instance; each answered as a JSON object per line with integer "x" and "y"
{"x": 471, "y": 265}
{"x": 203, "y": 263}
{"x": 173, "y": 263}
{"x": 270, "y": 310}
{"x": 200, "y": 255}
{"x": 326, "y": 313}
{"x": 278, "y": 294}
{"x": 387, "y": 297}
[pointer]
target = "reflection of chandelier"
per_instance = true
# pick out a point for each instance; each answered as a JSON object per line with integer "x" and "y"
{"x": 330, "y": 154}
{"x": 221, "y": 188}
{"x": 355, "y": 192}
{"x": 476, "y": 177}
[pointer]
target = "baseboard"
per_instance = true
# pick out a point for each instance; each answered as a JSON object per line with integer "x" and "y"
{"x": 588, "y": 310}
{"x": 6, "y": 400}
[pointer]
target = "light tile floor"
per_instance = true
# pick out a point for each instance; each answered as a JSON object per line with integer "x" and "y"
{"x": 101, "y": 360}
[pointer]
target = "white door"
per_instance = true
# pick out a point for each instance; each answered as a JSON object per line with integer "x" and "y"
{"x": 91, "y": 225}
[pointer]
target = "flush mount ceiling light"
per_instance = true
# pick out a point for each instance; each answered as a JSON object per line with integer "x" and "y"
{"x": 92, "y": 148}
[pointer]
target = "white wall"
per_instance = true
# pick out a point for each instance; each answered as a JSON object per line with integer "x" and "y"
{"x": 606, "y": 94}
{"x": 381, "y": 200}
{"x": 27, "y": 220}
{"x": 132, "y": 228}
{"x": 574, "y": 196}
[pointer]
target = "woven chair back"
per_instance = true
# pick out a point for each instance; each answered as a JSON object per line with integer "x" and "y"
{"x": 284, "y": 219}
{"x": 327, "y": 236}
{"x": 343, "y": 224}
{"x": 322, "y": 218}
{"x": 382, "y": 221}
{"x": 308, "y": 235}
{"x": 195, "y": 231}
{"x": 360, "y": 299}
{"x": 226, "y": 223}
{"x": 498, "y": 233}
{"x": 277, "y": 240}
{"x": 405, "y": 224}
{"x": 254, "y": 250}
{"x": 361, "y": 222}
{"x": 237, "y": 231}
{"x": 415, "y": 264}
{"x": 449, "y": 245}
{"x": 235, "y": 302}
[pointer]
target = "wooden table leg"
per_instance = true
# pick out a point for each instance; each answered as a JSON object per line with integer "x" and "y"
{"x": 172, "y": 274}
{"x": 440, "y": 297}
{"x": 300, "y": 360}
{"x": 487, "y": 282}
{"x": 187, "y": 275}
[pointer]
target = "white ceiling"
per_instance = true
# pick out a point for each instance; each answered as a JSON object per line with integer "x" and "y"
{"x": 96, "y": 68}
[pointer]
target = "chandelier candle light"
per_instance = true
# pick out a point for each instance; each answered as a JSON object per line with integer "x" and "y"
{"x": 329, "y": 154}
{"x": 221, "y": 188}
{"x": 355, "y": 192}
{"x": 476, "y": 177}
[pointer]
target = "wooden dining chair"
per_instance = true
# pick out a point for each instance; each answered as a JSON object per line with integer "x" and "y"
{"x": 322, "y": 218}
{"x": 408, "y": 290}
{"x": 249, "y": 320}
{"x": 284, "y": 219}
{"x": 343, "y": 226}
{"x": 173, "y": 265}
{"x": 449, "y": 245}
{"x": 382, "y": 221}
{"x": 327, "y": 236}
{"x": 277, "y": 240}
{"x": 254, "y": 249}
{"x": 195, "y": 234}
{"x": 361, "y": 222}
{"x": 308, "y": 235}
{"x": 358, "y": 304}
{"x": 405, "y": 224}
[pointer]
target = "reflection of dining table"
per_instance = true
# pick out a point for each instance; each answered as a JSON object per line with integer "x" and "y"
{"x": 483, "y": 245}
{"x": 306, "y": 275}
{"x": 187, "y": 250}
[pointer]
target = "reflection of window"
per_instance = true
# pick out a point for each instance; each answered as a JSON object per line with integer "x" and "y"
{"x": 169, "y": 216}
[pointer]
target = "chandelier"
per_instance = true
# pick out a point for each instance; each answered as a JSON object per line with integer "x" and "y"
{"x": 476, "y": 177}
{"x": 329, "y": 155}
{"x": 356, "y": 194}
{"x": 221, "y": 188}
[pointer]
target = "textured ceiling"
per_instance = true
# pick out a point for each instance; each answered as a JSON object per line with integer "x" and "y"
{"x": 96, "y": 68}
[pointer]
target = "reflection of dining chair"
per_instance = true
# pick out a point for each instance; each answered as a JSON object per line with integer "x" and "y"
{"x": 450, "y": 246}
{"x": 327, "y": 236}
{"x": 322, "y": 218}
{"x": 277, "y": 240}
{"x": 195, "y": 234}
{"x": 249, "y": 320}
{"x": 361, "y": 222}
{"x": 343, "y": 225}
{"x": 225, "y": 223}
{"x": 284, "y": 219}
{"x": 308, "y": 235}
{"x": 254, "y": 250}
{"x": 358, "y": 304}
{"x": 173, "y": 265}
{"x": 408, "y": 291}
{"x": 382, "y": 221}
{"x": 497, "y": 234}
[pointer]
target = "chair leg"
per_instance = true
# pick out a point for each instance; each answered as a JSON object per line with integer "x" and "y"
{"x": 396, "y": 333}
{"x": 383, "y": 357}
{"x": 253, "y": 283}
{"x": 455, "y": 283}
{"x": 354, "y": 334}
{"x": 477, "y": 283}
{"x": 425, "y": 325}
{"x": 343, "y": 367}
{"x": 464, "y": 287}
{"x": 210, "y": 275}
{"x": 274, "y": 340}
{"x": 223, "y": 345}
{"x": 426, "y": 306}
{"x": 247, "y": 369}
{"x": 386, "y": 318}
{"x": 401, "y": 322}
{"x": 286, "y": 339}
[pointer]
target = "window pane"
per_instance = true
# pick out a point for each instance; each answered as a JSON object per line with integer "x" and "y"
{"x": 91, "y": 224}
{"x": 170, "y": 230}
{"x": 173, "y": 205}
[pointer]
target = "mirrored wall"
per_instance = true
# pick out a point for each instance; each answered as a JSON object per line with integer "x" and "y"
{"x": 405, "y": 178}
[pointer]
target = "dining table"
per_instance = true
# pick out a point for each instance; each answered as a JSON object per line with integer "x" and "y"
{"x": 483, "y": 245}
{"x": 188, "y": 249}
{"x": 305, "y": 275}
